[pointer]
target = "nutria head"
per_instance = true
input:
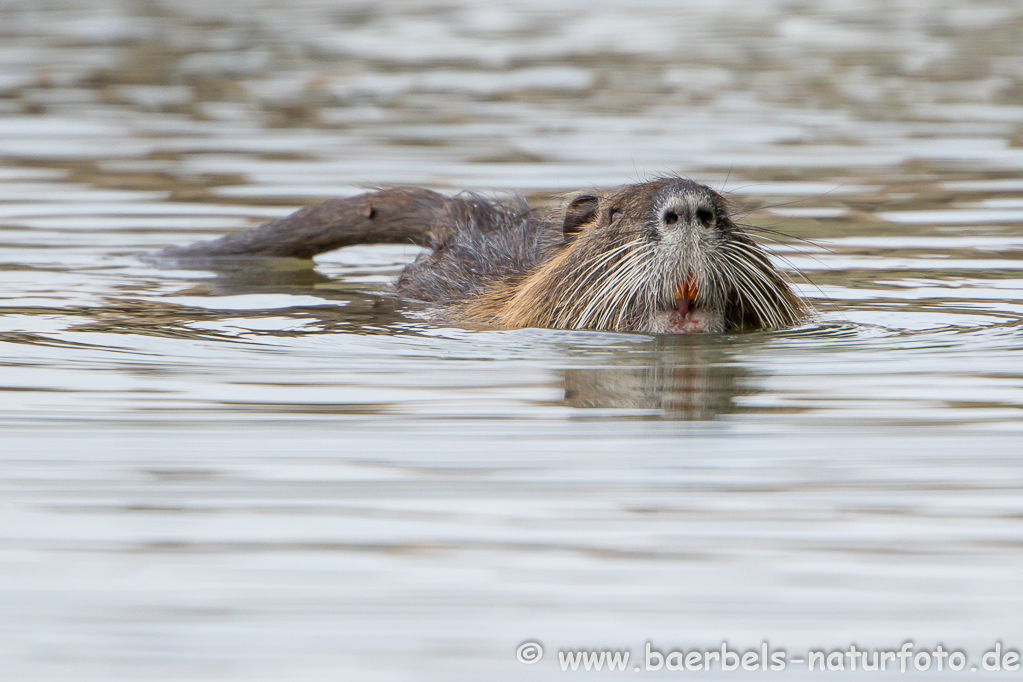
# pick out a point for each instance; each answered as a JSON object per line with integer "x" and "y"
{"x": 661, "y": 256}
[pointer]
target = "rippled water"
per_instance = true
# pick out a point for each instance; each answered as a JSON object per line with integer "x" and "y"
{"x": 277, "y": 472}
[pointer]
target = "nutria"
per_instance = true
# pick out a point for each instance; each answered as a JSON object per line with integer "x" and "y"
{"x": 659, "y": 256}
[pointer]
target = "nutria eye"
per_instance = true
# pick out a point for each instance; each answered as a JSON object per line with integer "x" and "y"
{"x": 670, "y": 218}
{"x": 705, "y": 216}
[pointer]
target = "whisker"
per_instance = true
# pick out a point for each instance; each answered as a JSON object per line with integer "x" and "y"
{"x": 570, "y": 303}
{"x": 766, "y": 230}
{"x": 740, "y": 257}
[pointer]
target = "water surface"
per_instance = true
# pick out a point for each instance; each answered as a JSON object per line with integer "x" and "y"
{"x": 279, "y": 471}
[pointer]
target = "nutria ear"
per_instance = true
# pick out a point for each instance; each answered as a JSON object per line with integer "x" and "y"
{"x": 580, "y": 211}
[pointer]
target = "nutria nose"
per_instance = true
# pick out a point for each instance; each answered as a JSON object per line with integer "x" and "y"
{"x": 701, "y": 212}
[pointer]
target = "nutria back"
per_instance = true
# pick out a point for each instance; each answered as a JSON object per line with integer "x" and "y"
{"x": 490, "y": 241}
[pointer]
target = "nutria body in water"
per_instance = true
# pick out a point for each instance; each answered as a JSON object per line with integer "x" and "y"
{"x": 661, "y": 256}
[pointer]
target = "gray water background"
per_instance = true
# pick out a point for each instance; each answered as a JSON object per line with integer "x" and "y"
{"x": 278, "y": 473}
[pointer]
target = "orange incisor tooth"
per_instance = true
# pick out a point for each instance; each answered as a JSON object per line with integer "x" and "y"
{"x": 687, "y": 291}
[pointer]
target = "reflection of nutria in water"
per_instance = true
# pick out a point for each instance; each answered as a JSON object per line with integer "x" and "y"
{"x": 660, "y": 256}
{"x": 682, "y": 382}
